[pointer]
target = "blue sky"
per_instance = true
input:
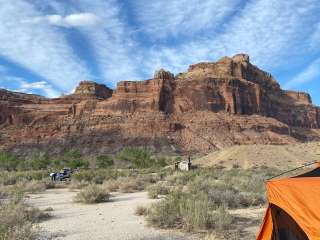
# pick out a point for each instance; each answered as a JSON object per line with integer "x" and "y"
{"x": 47, "y": 47}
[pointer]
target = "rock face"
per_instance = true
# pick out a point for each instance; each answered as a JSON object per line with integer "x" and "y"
{"x": 93, "y": 89}
{"x": 212, "y": 105}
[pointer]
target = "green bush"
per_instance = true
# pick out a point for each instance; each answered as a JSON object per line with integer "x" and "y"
{"x": 8, "y": 161}
{"x": 39, "y": 161}
{"x": 78, "y": 163}
{"x": 138, "y": 157}
{"x": 104, "y": 161}
{"x": 92, "y": 194}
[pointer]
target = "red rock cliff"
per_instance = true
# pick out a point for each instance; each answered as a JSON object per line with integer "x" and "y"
{"x": 212, "y": 105}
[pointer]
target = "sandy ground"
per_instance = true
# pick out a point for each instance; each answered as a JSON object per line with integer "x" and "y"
{"x": 248, "y": 221}
{"x": 279, "y": 156}
{"x": 113, "y": 220}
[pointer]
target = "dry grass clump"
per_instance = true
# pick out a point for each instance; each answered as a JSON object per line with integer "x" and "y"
{"x": 92, "y": 194}
{"x": 16, "y": 219}
{"x": 157, "y": 189}
{"x": 111, "y": 185}
{"x": 130, "y": 185}
{"x": 200, "y": 199}
{"x": 180, "y": 210}
{"x": 78, "y": 184}
{"x": 141, "y": 211}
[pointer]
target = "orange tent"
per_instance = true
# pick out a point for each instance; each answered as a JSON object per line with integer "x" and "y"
{"x": 293, "y": 212}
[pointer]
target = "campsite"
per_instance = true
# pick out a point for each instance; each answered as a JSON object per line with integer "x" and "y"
{"x": 159, "y": 120}
{"x": 166, "y": 203}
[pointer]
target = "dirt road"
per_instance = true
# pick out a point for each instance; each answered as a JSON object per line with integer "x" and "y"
{"x": 113, "y": 220}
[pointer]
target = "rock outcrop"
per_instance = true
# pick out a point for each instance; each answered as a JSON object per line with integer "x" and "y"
{"x": 93, "y": 89}
{"x": 212, "y": 105}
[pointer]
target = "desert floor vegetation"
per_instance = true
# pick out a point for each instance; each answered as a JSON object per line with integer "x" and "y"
{"x": 92, "y": 194}
{"x": 16, "y": 216}
{"x": 201, "y": 200}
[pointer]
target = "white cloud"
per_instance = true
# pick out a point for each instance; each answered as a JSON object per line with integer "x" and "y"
{"x": 181, "y": 17}
{"x": 39, "y": 48}
{"x": 310, "y": 73}
{"x": 116, "y": 52}
{"x": 270, "y": 31}
{"x": 18, "y": 84}
{"x": 72, "y": 20}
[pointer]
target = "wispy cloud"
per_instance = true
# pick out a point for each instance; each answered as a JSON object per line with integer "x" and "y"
{"x": 181, "y": 17}
{"x": 115, "y": 50}
{"x": 130, "y": 40}
{"x": 310, "y": 73}
{"x": 39, "y": 48}
{"x": 270, "y": 31}
{"x": 19, "y": 84}
{"x": 72, "y": 20}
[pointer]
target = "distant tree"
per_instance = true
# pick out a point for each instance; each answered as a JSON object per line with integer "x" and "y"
{"x": 72, "y": 154}
{"x": 39, "y": 161}
{"x": 8, "y": 161}
{"x": 78, "y": 163}
{"x": 104, "y": 161}
{"x": 73, "y": 159}
{"x": 138, "y": 157}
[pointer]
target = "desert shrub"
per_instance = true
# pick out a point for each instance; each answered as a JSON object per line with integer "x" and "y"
{"x": 92, "y": 194}
{"x": 111, "y": 185}
{"x": 98, "y": 175}
{"x": 72, "y": 154}
{"x": 32, "y": 186}
{"x": 196, "y": 212}
{"x": 104, "y": 161}
{"x": 166, "y": 213}
{"x": 13, "y": 177}
{"x": 72, "y": 158}
{"x": 84, "y": 175}
{"x": 137, "y": 157}
{"x": 18, "y": 190}
{"x": 16, "y": 219}
{"x": 200, "y": 199}
{"x": 160, "y": 162}
{"x": 78, "y": 163}
{"x": 180, "y": 178}
{"x": 8, "y": 161}
{"x": 221, "y": 219}
{"x": 48, "y": 209}
{"x": 39, "y": 161}
{"x": 182, "y": 210}
{"x": 157, "y": 189}
{"x": 129, "y": 185}
{"x": 140, "y": 211}
{"x": 78, "y": 184}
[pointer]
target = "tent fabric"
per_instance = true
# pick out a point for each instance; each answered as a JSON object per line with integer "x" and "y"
{"x": 284, "y": 226}
{"x": 299, "y": 198}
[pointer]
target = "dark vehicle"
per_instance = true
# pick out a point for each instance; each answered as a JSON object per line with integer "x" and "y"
{"x": 63, "y": 175}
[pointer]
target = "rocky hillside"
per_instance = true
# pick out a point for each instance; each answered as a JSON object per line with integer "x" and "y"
{"x": 211, "y": 106}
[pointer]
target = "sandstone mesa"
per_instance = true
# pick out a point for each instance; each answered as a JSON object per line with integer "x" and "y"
{"x": 212, "y": 105}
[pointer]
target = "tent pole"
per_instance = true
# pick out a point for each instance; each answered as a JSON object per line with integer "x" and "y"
{"x": 304, "y": 165}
